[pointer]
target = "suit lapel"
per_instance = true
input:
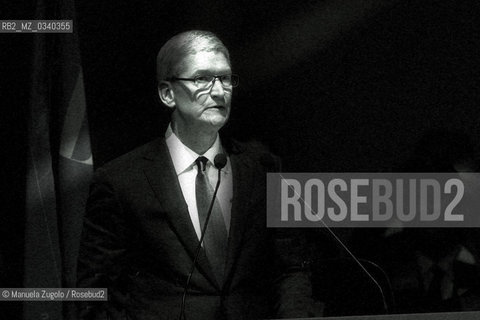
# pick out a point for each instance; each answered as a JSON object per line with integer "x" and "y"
{"x": 164, "y": 182}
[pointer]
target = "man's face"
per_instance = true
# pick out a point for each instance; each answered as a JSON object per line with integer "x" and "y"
{"x": 202, "y": 108}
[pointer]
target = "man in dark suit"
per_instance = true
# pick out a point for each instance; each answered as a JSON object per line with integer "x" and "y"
{"x": 146, "y": 210}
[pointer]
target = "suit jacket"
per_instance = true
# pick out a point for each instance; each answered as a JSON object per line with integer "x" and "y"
{"x": 138, "y": 241}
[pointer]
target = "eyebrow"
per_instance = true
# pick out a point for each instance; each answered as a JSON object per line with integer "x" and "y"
{"x": 203, "y": 71}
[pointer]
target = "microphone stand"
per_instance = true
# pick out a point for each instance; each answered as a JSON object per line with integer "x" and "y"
{"x": 357, "y": 261}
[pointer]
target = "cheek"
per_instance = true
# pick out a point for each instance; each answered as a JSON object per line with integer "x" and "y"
{"x": 228, "y": 98}
{"x": 201, "y": 97}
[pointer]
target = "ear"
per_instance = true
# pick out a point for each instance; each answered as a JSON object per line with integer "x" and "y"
{"x": 166, "y": 94}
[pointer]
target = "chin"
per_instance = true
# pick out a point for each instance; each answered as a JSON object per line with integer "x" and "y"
{"x": 217, "y": 121}
{"x": 218, "y": 124}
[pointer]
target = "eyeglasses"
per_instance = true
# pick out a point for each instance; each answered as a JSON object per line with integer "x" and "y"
{"x": 203, "y": 82}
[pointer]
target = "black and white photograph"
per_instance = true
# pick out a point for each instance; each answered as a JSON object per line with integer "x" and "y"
{"x": 140, "y": 140}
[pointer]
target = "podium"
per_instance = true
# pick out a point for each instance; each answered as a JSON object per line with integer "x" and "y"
{"x": 474, "y": 315}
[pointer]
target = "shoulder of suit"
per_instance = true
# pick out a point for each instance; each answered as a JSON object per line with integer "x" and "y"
{"x": 131, "y": 159}
{"x": 257, "y": 152}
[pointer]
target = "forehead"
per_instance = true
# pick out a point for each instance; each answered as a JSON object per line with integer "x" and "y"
{"x": 211, "y": 61}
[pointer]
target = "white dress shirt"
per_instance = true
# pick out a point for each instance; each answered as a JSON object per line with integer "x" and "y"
{"x": 186, "y": 169}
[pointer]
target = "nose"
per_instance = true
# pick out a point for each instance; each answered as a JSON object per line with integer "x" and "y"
{"x": 217, "y": 88}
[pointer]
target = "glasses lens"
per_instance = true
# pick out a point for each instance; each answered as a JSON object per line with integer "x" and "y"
{"x": 226, "y": 80}
{"x": 203, "y": 81}
{"x": 234, "y": 80}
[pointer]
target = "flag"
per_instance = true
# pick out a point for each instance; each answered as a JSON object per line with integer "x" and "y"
{"x": 59, "y": 164}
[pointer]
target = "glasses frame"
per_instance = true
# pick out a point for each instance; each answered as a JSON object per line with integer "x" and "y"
{"x": 212, "y": 82}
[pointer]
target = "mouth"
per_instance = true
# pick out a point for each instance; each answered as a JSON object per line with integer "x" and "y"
{"x": 218, "y": 107}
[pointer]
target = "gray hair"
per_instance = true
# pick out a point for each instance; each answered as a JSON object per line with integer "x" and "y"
{"x": 179, "y": 46}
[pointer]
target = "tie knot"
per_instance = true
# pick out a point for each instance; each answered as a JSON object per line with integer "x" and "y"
{"x": 201, "y": 163}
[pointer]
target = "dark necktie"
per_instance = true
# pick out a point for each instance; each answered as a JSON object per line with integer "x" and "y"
{"x": 215, "y": 239}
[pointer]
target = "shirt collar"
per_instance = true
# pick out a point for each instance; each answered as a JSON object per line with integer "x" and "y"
{"x": 183, "y": 157}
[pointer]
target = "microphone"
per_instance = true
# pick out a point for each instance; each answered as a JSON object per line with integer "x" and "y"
{"x": 219, "y": 161}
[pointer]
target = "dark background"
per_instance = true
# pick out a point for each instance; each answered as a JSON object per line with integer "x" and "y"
{"x": 326, "y": 91}
{"x": 328, "y": 85}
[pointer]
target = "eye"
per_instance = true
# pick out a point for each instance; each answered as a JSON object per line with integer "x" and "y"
{"x": 226, "y": 79}
{"x": 203, "y": 79}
